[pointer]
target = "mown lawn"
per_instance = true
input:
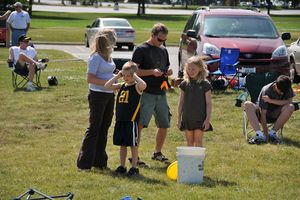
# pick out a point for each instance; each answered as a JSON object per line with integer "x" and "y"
{"x": 41, "y": 133}
{"x": 70, "y": 27}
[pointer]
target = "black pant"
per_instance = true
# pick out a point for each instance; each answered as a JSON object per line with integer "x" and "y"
{"x": 92, "y": 152}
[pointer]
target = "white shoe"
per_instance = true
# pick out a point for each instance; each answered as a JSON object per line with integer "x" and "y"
{"x": 41, "y": 66}
{"x": 30, "y": 88}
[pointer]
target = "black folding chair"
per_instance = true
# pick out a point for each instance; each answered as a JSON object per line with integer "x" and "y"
{"x": 20, "y": 77}
{"x": 34, "y": 194}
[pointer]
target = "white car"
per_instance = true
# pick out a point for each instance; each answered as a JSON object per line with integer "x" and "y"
{"x": 125, "y": 32}
{"x": 294, "y": 60}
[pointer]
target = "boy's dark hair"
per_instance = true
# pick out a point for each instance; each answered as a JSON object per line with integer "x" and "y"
{"x": 283, "y": 83}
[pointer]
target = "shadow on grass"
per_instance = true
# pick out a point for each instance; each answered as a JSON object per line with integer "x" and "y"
{"x": 209, "y": 182}
{"x": 289, "y": 142}
{"x": 134, "y": 178}
{"x": 55, "y": 17}
{"x": 37, "y": 89}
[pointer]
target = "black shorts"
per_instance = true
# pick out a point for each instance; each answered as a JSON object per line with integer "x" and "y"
{"x": 21, "y": 69}
{"x": 126, "y": 133}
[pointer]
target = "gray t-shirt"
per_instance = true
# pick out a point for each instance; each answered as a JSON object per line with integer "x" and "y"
{"x": 102, "y": 69}
{"x": 194, "y": 107}
{"x": 269, "y": 91}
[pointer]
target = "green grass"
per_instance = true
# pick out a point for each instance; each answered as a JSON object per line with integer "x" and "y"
{"x": 41, "y": 133}
{"x": 70, "y": 27}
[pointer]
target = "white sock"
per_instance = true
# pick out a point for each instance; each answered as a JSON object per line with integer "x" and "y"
{"x": 272, "y": 132}
{"x": 260, "y": 134}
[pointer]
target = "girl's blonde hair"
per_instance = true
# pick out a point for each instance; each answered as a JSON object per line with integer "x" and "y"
{"x": 104, "y": 42}
{"x": 130, "y": 67}
{"x": 197, "y": 61}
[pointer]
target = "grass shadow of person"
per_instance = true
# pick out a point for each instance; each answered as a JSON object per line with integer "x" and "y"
{"x": 209, "y": 182}
{"x": 289, "y": 142}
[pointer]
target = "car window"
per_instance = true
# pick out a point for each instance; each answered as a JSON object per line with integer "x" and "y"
{"x": 197, "y": 24}
{"x": 190, "y": 23}
{"x": 239, "y": 26}
{"x": 96, "y": 23}
{"x": 112, "y": 23}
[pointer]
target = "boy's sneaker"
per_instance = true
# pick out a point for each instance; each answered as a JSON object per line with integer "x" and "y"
{"x": 133, "y": 171}
{"x": 159, "y": 157}
{"x": 121, "y": 170}
{"x": 257, "y": 140}
{"x": 41, "y": 66}
{"x": 140, "y": 163}
{"x": 274, "y": 139}
{"x": 30, "y": 88}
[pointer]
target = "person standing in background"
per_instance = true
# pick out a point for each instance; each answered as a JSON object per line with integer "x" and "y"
{"x": 19, "y": 23}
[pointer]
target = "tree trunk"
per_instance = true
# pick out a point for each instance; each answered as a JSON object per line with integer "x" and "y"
{"x": 30, "y": 7}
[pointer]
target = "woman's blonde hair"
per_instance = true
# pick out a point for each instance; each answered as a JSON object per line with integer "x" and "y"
{"x": 104, "y": 42}
{"x": 130, "y": 67}
{"x": 197, "y": 61}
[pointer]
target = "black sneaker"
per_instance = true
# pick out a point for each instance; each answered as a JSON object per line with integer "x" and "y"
{"x": 159, "y": 157}
{"x": 133, "y": 171}
{"x": 274, "y": 139}
{"x": 139, "y": 163}
{"x": 121, "y": 170}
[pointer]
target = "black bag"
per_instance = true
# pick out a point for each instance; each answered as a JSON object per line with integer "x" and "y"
{"x": 52, "y": 81}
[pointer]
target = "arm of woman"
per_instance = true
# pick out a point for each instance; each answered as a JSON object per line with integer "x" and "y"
{"x": 92, "y": 78}
{"x": 180, "y": 106}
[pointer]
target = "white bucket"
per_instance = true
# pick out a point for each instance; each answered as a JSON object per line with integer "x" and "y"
{"x": 190, "y": 164}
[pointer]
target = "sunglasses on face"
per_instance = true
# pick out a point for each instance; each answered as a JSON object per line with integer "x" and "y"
{"x": 160, "y": 40}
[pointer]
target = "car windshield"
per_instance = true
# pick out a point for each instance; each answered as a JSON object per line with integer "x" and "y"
{"x": 241, "y": 26}
{"x": 113, "y": 23}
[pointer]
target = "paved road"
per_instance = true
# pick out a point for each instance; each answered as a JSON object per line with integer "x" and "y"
{"x": 82, "y": 52}
{"x": 132, "y": 8}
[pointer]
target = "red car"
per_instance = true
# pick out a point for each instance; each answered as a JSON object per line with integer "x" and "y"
{"x": 3, "y": 31}
{"x": 261, "y": 47}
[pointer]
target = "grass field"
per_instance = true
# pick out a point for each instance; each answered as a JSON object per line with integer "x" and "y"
{"x": 41, "y": 133}
{"x": 70, "y": 27}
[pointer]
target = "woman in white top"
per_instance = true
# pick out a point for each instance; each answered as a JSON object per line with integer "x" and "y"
{"x": 101, "y": 103}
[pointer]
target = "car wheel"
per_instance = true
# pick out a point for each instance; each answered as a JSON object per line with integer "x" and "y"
{"x": 119, "y": 46}
{"x": 86, "y": 41}
{"x": 293, "y": 74}
{"x": 131, "y": 47}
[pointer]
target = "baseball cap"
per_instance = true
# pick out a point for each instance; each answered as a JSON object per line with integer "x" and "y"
{"x": 18, "y": 4}
{"x": 24, "y": 38}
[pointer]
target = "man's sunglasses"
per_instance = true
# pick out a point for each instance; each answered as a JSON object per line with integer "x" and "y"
{"x": 160, "y": 40}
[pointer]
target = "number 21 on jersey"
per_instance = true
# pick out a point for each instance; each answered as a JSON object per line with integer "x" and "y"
{"x": 123, "y": 98}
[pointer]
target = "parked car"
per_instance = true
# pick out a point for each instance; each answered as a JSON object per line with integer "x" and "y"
{"x": 3, "y": 30}
{"x": 125, "y": 32}
{"x": 294, "y": 60}
{"x": 261, "y": 46}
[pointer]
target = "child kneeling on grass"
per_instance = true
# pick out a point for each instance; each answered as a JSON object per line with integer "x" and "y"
{"x": 127, "y": 114}
{"x": 195, "y": 104}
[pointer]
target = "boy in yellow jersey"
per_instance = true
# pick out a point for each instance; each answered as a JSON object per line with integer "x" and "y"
{"x": 127, "y": 114}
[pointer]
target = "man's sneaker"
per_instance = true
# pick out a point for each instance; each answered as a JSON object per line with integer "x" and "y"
{"x": 274, "y": 139}
{"x": 159, "y": 156}
{"x": 133, "y": 171}
{"x": 30, "y": 88}
{"x": 257, "y": 140}
{"x": 41, "y": 66}
{"x": 121, "y": 170}
{"x": 140, "y": 163}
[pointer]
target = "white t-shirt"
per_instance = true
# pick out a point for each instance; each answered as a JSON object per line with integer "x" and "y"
{"x": 29, "y": 51}
{"x": 19, "y": 20}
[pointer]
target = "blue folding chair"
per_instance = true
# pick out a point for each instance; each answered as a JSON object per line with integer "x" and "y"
{"x": 228, "y": 64}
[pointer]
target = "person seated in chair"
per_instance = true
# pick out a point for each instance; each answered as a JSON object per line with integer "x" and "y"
{"x": 24, "y": 59}
{"x": 274, "y": 104}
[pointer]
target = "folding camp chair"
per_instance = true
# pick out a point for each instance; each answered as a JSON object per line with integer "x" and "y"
{"x": 20, "y": 77}
{"x": 228, "y": 65}
{"x": 253, "y": 85}
{"x": 34, "y": 194}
